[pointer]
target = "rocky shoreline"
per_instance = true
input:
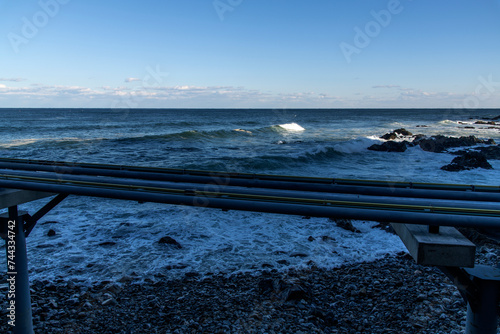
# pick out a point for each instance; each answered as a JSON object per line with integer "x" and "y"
{"x": 474, "y": 156}
{"x": 391, "y": 295}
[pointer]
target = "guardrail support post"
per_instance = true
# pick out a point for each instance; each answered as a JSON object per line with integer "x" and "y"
{"x": 19, "y": 298}
{"x": 482, "y": 307}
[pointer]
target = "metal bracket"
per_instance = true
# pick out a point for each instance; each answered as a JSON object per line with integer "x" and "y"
{"x": 32, "y": 220}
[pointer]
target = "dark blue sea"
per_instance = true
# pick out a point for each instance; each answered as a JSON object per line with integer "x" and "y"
{"x": 329, "y": 143}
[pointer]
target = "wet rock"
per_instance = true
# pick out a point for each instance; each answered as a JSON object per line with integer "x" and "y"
{"x": 441, "y": 143}
{"x": 311, "y": 238}
{"x": 490, "y": 152}
{"x": 296, "y": 293}
{"x": 192, "y": 274}
{"x": 396, "y": 133}
{"x": 390, "y": 146}
{"x": 176, "y": 266}
{"x": 51, "y": 233}
{"x": 107, "y": 243}
{"x": 385, "y": 227}
{"x": 468, "y": 161}
{"x": 297, "y": 254}
{"x": 266, "y": 286}
{"x": 483, "y": 122}
{"x": 170, "y": 241}
{"x": 346, "y": 224}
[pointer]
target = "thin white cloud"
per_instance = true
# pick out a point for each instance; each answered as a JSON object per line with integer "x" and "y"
{"x": 386, "y": 86}
{"x": 132, "y": 79}
{"x": 12, "y": 79}
{"x": 140, "y": 96}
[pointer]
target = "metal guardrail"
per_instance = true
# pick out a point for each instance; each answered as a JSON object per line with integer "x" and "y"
{"x": 433, "y": 204}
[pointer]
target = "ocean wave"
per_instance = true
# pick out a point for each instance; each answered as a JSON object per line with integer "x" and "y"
{"x": 293, "y": 127}
{"x": 183, "y": 136}
{"x": 357, "y": 145}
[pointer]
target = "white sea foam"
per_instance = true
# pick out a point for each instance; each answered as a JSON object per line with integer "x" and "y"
{"x": 291, "y": 127}
{"x": 212, "y": 241}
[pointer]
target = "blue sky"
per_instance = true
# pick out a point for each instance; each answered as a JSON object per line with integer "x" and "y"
{"x": 250, "y": 54}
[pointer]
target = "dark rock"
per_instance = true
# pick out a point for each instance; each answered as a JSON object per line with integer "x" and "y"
{"x": 311, "y": 238}
{"x": 296, "y": 293}
{"x": 483, "y": 122}
{"x": 480, "y": 237}
{"x": 422, "y": 126}
{"x": 265, "y": 286}
{"x": 441, "y": 143}
{"x": 267, "y": 265}
{"x": 469, "y": 127}
{"x": 175, "y": 266}
{"x": 403, "y": 132}
{"x": 490, "y": 152}
{"x": 191, "y": 274}
{"x": 170, "y": 241}
{"x": 467, "y": 161}
{"x": 51, "y": 233}
{"x": 107, "y": 243}
{"x": 389, "y": 136}
{"x": 396, "y": 133}
{"x": 496, "y": 118}
{"x": 346, "y": 224}
{"x": 385, "y": 227}
{"x": 389, "y": 146}
{"x": 297, "y": 254}
{"x": 283, "y": 262}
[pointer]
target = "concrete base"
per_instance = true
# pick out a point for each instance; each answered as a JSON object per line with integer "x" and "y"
{"x": 447, "y": 248}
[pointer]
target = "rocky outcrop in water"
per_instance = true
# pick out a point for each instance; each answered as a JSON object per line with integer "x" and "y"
{"x": 396, "y": 134}
{"x": 390, "y": 146}
{"x": 440, "y": 143}
{"x": 467, "y": 161}
{"x": 490, "y": 152}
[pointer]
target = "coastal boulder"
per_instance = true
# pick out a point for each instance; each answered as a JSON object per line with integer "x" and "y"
{"x": 468, "y": 161}
{"x": 396, "y": 133}
{"x": 440, "y": 143}
{"x": 390, "y": 146}
{"x": 490, "y": 152}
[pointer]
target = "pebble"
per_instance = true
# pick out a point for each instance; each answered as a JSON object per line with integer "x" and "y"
{"x": 391, "y": 295}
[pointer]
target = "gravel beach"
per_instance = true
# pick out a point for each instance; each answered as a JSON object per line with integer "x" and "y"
{"x": 391, "y": 295}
